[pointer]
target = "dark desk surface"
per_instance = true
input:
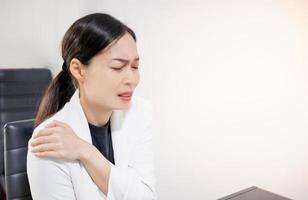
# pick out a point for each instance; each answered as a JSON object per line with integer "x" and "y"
{"x": 254, "y": 193}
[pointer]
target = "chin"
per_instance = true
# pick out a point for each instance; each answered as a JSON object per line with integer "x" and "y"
{"x": 122, "y": 106}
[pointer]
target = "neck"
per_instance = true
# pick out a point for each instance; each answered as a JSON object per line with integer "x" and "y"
{"x": 96, "y": 116}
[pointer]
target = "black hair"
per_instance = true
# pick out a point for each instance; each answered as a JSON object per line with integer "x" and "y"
{"x": 85, "y": 38}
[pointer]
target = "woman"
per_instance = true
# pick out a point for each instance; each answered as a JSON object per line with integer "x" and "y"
{"x": 93, "y": 138}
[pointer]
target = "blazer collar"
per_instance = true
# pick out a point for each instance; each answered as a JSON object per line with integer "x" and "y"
{"x": 79, "y": 123}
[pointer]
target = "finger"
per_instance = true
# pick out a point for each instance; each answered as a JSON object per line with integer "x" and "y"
{"x": 44, "y": 147}
{"x": 47, "y": 154}
{"x": 42, "y": 132}
{"x": 42, "y": 140}
{"x": 54, "y": 123}
{"x": 45, "y": 132}
{"x": 59, "y": 123}
{"x": 51, "y": 124}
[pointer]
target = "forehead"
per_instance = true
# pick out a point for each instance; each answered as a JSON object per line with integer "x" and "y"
{"x": 125, "y": 47}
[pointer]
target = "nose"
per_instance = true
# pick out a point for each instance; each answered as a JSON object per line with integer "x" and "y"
{"x": 131, "y": 77}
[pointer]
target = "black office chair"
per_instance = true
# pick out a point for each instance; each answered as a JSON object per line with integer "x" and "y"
{"x": 20, "y": 93}
{"x": 16, "y": 137}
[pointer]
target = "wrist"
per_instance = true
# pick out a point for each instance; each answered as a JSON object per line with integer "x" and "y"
{"x": 85, "y": 151}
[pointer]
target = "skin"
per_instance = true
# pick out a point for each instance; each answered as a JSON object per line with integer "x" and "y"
{"x": 109, "y": 73}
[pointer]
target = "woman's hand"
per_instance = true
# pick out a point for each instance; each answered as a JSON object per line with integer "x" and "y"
{"x": 57, "y": 140}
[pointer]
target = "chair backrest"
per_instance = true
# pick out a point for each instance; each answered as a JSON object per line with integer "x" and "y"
{"x": 20, "y": 93}
{"x": 16, "y": 137}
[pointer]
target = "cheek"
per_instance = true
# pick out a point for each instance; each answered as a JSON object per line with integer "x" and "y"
{"x": 101, "y": 92}
{"x": 97, "y": 86}
{"x": 93, "y": 83}
{"x": 109, "y": 85}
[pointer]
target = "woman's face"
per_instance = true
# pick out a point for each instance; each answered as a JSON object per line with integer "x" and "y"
{"x": 112, "y": 76}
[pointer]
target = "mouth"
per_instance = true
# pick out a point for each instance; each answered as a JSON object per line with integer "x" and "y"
{"x": 126, "y": 96}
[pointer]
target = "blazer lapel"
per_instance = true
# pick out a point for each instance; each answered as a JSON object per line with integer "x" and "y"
{"x": 80, "y": 125}
{"x": 76, "y": 118}
{"x": 119, "y": 138}
{"x": 84, "y": 186}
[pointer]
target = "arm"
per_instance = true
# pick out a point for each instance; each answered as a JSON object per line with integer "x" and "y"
{"x": 136, "y": 182}
{"x": 49, "y": 179}
{"x": 97, "y": 166}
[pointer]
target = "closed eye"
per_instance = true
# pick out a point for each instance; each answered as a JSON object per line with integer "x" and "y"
{"x": 116, "y": 69}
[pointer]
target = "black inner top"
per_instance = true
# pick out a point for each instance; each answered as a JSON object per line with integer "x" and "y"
{"x": 101, "y": 139}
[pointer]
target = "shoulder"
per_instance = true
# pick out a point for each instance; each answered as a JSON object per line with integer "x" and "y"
{"x": 59, "y": 115}
{"x": 40, "y": 169}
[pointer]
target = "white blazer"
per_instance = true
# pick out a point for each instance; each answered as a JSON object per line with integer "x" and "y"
{"x": 132, "y": 176}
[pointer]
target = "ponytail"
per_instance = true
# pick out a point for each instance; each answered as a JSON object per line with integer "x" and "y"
{"x": 59, "y": 92}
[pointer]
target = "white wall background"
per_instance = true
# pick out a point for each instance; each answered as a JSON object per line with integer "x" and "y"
{"x": 229, "y": 80}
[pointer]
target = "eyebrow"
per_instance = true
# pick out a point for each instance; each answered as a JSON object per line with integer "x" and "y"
{"x": 123, "y": 60}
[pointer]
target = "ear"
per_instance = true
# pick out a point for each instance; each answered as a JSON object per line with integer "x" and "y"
{"x": 77, "y": 70}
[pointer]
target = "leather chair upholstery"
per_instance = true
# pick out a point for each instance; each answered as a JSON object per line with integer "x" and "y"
{"x": 16, "y": 137}
{"x": 20, "y": 93}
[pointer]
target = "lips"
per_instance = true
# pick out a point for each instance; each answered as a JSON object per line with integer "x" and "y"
{"x": 126, "y": 96}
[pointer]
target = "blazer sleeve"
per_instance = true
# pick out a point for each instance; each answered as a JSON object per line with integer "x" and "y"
{"x": 136, "y": 182}
{"x": 49, "y": 179}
